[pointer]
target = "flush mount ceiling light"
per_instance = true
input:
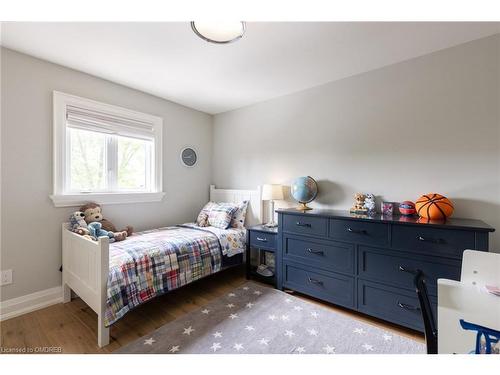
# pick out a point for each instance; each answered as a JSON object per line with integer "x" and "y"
{"x": 219, "y": 32}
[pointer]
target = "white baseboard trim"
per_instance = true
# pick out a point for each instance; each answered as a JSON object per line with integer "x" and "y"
{"x": 30, "y": 302}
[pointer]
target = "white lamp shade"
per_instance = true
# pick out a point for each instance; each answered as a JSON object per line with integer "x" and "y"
{"x": 272, "y": 192}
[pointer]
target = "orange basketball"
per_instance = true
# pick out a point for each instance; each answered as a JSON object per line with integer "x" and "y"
{"x": 434, "y": 206}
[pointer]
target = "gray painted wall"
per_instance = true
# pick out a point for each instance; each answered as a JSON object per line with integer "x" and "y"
{"x": 430, "y": 124}
{"x": 31, "y": 240}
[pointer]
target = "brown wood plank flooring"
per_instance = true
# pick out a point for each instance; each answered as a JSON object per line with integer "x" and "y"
{"x": 73, "y": 326}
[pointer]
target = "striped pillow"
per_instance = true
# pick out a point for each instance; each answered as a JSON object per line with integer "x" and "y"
{"x": 238, "y": 220}
{"x": 221, "y": 214}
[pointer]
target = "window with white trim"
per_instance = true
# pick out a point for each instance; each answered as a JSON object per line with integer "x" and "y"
{"x": 104, "y": 153}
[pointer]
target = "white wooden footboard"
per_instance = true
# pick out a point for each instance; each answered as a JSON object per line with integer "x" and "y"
{"x": 85, "y": 271}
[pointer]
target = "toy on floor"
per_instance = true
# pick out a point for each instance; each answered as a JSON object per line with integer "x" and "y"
{"x": 93, "y": 213}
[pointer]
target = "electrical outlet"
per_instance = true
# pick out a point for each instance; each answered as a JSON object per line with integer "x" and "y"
{"x": 6, "y": 277}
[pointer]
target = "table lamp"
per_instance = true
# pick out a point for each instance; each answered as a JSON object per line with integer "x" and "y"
{"x": 272, "y": 192}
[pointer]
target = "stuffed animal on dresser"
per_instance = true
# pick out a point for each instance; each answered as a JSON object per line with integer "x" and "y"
{"x": 93, "y": 213}
{"x": 359, "y": 204}
{"x": 370, "y": 203}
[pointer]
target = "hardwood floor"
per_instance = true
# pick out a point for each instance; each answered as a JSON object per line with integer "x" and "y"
{"x": 73, "y": 326}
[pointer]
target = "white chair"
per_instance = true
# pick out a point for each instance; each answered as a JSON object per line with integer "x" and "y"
{"x": 480, "y": 268}
{"x": 467, "y": 299}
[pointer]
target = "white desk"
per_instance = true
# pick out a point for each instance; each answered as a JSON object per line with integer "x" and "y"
{"x": 457, "y": 301}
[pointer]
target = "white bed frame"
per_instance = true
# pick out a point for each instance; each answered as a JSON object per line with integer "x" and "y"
{"x": 86, "y": 262}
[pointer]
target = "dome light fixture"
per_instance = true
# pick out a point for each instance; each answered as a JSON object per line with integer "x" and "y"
{"x": 219, "y": 32}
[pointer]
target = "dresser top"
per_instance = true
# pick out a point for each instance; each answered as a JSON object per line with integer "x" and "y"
{"x": 451, "y": 223}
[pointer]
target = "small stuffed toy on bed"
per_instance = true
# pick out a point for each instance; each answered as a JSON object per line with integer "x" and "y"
{"x": 77, "y": 219}
{"x": 78, "y": 225}
{"x": 93, "y": 213}
{"x": 96, "y": 231}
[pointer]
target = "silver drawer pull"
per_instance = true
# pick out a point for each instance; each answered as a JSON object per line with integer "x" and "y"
{"x": 261, "y": 239}
{"x": 432, "y": 240}
{"x": 408, "y": 307}
{"x": 314, "y": 281}
{"x": 316, "y": 252}
{"x": 306, "y": 225}
{"x": 409, "y": 270}
{"x": 357, "y": 231}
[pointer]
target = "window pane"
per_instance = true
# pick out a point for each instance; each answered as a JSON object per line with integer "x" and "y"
{"x": 87, "y": 160}
{"x": 133, "y": 159}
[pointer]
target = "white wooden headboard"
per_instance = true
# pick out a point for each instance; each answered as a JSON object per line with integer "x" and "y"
{"x": 254, "y": 198}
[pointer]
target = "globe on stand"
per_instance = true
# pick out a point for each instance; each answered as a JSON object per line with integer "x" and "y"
{"x": 304, "y": 190}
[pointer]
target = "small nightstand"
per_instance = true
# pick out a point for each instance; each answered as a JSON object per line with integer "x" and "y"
{"x": 263, "y": 240}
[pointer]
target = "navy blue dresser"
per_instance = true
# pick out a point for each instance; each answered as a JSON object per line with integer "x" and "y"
{"x": 359, "y": 262}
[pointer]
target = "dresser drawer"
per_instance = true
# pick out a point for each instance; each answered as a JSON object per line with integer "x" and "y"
{"x": 388, "y": 266}
{"x": 330, "y": 255}
{"x": 335, "y": 288}
{"x": 359, "y": 231}
{"x": 316, "y": 226}
{"x": 392, "y": 304}
{"x": 263, "y": 240}
{"x": 434, "y": 241}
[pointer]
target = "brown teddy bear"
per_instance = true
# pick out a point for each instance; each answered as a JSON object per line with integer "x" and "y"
{"x": 359, "y": 204}
{"x": 93, "y": 212}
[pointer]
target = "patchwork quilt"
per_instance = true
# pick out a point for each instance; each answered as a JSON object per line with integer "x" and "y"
{"x": 232, "y": 240}
{"x": 153, "y": 262}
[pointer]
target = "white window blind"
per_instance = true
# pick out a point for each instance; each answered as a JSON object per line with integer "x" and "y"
{"x": 105, "y": 153}
{"x": 87, "y": 119}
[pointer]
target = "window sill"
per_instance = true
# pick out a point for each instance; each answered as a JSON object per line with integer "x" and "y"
{"x": 105, "y": 198}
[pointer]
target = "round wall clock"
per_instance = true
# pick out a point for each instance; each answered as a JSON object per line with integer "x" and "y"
{"x": 189, "y": 157}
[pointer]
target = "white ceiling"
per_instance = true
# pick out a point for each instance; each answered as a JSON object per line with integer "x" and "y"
{"x": 272, "y": 59}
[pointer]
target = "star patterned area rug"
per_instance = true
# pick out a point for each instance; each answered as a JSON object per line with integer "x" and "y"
{"x": 255, "y": 319}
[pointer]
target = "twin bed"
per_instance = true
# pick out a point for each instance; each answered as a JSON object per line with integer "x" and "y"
{"x": 114, "y": 278}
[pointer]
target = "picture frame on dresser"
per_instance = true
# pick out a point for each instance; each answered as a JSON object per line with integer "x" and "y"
{"x": 360, "y": 262}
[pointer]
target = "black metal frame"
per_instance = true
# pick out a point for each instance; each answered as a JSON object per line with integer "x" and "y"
{"x": 430, "y": 328}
